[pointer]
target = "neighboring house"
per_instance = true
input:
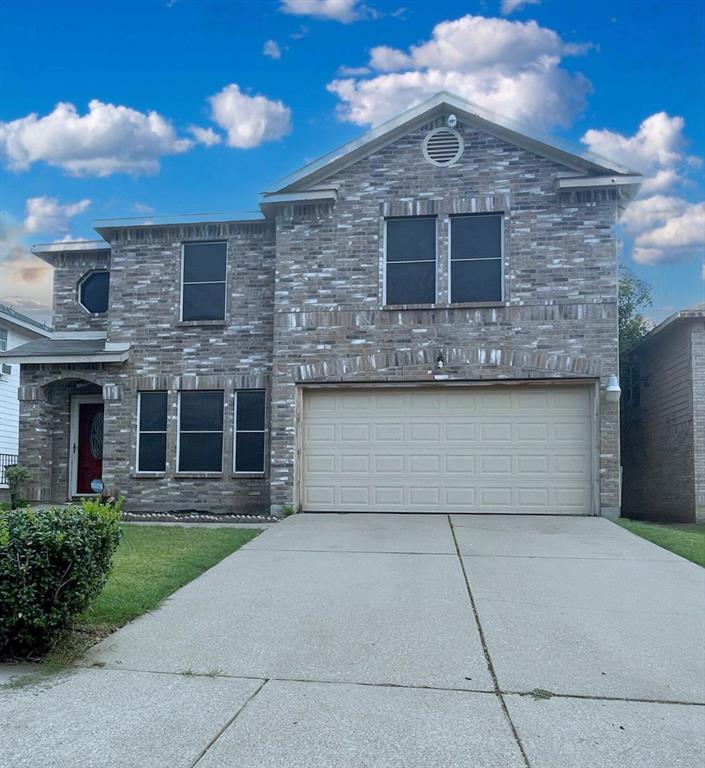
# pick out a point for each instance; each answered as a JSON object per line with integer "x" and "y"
{"x": 664, "y": 423}
{"x": 424, "y": 320}
{"x": 15, "y": 329}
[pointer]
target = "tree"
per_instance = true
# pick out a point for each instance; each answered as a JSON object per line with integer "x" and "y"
{"x": 634, "y": 295}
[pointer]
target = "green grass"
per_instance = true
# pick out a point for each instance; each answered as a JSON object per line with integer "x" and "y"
{"x": 153, "y": 561}
{"x": 685, "y": 539}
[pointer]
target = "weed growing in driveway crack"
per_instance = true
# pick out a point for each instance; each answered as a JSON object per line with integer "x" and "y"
{"x": 539, "y": 693}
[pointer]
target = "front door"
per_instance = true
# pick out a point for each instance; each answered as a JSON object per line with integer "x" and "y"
{"x": 89, "y": 446}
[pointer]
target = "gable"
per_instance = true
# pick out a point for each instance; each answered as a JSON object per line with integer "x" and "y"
{"x": 573, "y": 161}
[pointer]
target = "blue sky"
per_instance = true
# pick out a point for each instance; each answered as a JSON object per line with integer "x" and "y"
{"x": 187, "y": 106}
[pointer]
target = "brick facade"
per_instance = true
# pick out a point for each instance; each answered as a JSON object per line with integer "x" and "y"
{"x": 305, "y": 305}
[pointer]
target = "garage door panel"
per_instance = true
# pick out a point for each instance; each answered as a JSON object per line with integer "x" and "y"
{"x": 474, "y": 449}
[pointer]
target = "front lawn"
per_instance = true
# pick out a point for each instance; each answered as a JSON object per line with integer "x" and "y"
{"x": 151, "y": 562}
{"x": 685, "y": 539}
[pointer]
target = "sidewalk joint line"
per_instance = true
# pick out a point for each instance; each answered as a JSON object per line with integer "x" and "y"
{"x": 485, "y": 650}
{"x": 403, "y": 686}
{"x": 228, "y": 724}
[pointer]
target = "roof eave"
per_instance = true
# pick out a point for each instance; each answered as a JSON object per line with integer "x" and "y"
{"x": 101, "y": 357}
{"x": 389, "y": 131}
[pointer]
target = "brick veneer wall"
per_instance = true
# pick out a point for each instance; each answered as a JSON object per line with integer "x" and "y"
{"x": 305, "y": 305}
{"x": 559, "y": 317}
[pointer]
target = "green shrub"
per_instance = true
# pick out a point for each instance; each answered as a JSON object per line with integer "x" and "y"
{"x": 17, "y": 477}
{"x": 53, "y": 563}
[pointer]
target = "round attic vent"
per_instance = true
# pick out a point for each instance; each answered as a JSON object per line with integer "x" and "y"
{"x": 443, "y": 147}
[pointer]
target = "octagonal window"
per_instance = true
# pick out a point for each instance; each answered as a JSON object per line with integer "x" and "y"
{"x": 93, "y": 291}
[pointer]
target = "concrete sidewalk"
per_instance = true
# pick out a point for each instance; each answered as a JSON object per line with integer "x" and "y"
{"x": 419, "y": 641}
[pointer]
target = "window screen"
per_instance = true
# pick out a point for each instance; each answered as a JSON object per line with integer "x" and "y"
{"x": 250, "y": 430}
{"x": 411, "y": 260}
{"x": 203, "y": 290}
{"x": 476, "y": 257}
{"x": 201, "y": 431}
{"x": 151, "y": 451}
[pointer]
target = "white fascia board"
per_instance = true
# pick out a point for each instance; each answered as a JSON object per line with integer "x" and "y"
{"x": 18, "y": 322}
{"x": 100, "y": 357}
{"x": 296, "y": 197}
{"x": 94, "y": 335}
{"x": 70, "y": 247}
{"x": 595, "y": 182}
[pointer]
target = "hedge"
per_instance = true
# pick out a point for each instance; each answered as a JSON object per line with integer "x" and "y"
{"x": 53, "y": 563}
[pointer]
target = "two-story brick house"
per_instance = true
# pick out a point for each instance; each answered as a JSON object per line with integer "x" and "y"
{"x": 424, "y": 320}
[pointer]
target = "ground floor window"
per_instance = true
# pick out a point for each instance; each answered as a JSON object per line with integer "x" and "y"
{"x": 151, "y": 442}
{"x": 200, "y": 434}
{"x": 250, "y": 431}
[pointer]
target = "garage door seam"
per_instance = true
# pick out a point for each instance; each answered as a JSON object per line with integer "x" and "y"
{"x": 486, "y": 652}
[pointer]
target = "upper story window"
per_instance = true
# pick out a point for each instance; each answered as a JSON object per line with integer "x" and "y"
{"x": 93, "y": 291}
{"x": 411, "y": 260}
{"x": 3, "y": 339}
{"x": 476, "y": 257}
{"x": 200, "y": 439}
{"x": 203, "y": 281}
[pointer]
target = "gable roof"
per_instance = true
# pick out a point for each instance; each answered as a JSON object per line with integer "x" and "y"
{"x": 696, "y": 312}
{"x": 10, "y": 316}
{"x": 443, "y": 103}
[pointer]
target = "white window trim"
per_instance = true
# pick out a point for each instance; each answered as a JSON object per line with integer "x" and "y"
{"x": 80, "y": 283}
{"x": 224, "y": 283}
{"x": 489, "y": 258}
{"x": 198, "y": 432}
{"x": 141, "y": 432}
{"x": 264, "y": 432}
{"x": 417, "y": 261}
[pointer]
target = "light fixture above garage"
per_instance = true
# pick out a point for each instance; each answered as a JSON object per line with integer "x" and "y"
{"x": 613, "y": 390}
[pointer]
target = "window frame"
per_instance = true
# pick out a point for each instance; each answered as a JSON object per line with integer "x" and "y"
{"x": 199, "y": 472}
{"x": 79, "y": 286}
{"x": 205, "y": 282}
{"x": 385, "y": 280}
{"x": 502, "y": 220}
{"x": 264, "y": 431}
{"x": 141, "y": 432}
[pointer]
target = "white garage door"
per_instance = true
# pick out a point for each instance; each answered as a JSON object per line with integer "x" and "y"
{"x": 513, "y": 449}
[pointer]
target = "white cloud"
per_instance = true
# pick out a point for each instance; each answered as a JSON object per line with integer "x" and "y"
{"x": 666, "y": 229}
{"x": 48, "y": 215}
{"x": 344, "y": 11}
{"x": 142, "y": 208}
{"x": 25, "y": 280}
{"x": 510, "y": 67}
{"x": 206, "y": 136}
{"x": 509, "y": 6}
{"x": 107, "y": 139}
{"x": 271, "y": 48}
{"x": 249, "y": 120}
{"x": 353, "y": 71}
{"x": 657, "y": 150}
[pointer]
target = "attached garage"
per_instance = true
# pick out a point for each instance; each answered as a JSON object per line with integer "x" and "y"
{"x": 484, "y": 449}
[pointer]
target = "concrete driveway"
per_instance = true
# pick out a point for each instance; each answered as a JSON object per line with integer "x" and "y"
{"x": 415, "y": 641}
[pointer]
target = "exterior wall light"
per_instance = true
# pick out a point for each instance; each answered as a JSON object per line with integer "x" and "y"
{"x": 612, "y": 390}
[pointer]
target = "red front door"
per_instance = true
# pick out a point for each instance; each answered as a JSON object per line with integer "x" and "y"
{"x": 90, "y": 446}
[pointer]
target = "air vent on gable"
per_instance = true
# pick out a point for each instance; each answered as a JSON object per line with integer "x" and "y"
{"x": 443, "y": 147}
